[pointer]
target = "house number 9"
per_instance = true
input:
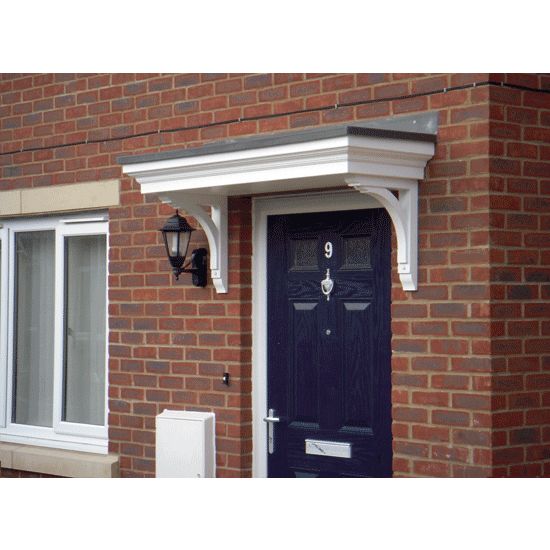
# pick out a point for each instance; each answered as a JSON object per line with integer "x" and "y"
{"x": 328, "y": 249}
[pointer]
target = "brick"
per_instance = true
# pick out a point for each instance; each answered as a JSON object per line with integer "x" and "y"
{"x": 524, "y": 436}
{"x": 341, "y": 82}
{"x": 450, "y": 418}
{"x": 372, "y": 110}
{"x": 450, "y": 453}
{"x": 431, "y": 328}
{"x": 448, "y": 310}
{"x": 464, "y": 114}
{"x": 410, "y": 105}
{"x": 499, "y": 130}
{"x": 450, "y": 381}
{"x": 391, "y": 91}
{"x": 368, "y": 79}
{"x": 409, "y": 414}
{"x": 414, "y": 380}
{"x": 459, "y": 470}
{"x": 304, "y": 119}
{"x": 471, "y": 364}
{"x": 429, "y": 363}
{"x": 411, "y": 449}
{"x": 305, "y": 88}
{"x": 471, "y": 401}
{"x": 430, "y": 85}
{"x": 447, "y": 169}
{"x": 409, "y": 346}
{"x": 448, "y": 204}
{"x": 409, "y": 310}
{"x": 470, "y": 292}
{"x": 431, "y": 433}
{"x": 432, "y": 469}
{"x": 505, "y": 456}
{"x": 521, "y": 115}
{"x": 471, "y": 437}
{"x": 462, "y": 79}
{"x": 471, "y": 328}
{"x": 440, "y": 399}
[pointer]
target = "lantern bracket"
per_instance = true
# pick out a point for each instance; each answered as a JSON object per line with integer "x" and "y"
{"x": 211, "y": 213}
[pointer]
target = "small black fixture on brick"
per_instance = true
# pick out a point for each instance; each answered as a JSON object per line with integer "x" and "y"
{"x": 176, "y": 234}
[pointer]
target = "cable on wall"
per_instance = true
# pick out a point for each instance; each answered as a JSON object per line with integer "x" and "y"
{"x": 288, "y": 113}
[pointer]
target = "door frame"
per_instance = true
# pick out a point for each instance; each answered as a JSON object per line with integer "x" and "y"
{"x": 261, "y": 209}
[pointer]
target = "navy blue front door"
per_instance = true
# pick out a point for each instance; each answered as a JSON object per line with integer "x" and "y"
{"x": 329, "y": 344}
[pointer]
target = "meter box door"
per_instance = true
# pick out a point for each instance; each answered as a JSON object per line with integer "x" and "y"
{"x": 185, "y": 445}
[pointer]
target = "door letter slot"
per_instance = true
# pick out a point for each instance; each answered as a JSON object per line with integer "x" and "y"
{"x": 328, "y": 448}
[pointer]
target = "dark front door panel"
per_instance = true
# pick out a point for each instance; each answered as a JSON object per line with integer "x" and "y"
{"x": 329, "y": 359}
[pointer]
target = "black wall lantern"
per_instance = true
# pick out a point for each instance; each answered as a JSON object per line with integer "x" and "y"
{"x": 176, "y": 234}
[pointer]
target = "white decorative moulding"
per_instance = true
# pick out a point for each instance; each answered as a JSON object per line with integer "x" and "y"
{"x": 386, "y": 164}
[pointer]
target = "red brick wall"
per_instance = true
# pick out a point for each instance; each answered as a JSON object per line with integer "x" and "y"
{"x": 441, "y": 344}
{"x": 171, "y": 342}
{"x": 520, "y": 278}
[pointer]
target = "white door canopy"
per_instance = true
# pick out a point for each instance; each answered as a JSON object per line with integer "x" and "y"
{"x": 385, "y": 159}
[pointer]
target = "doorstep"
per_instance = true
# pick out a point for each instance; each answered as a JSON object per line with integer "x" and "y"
{"x": 58, "y": 462}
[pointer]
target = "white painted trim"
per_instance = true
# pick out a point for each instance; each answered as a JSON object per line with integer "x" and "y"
{"x": 4, "y": 242}
{"x": 62, "y": 231}
{"x": 372, "y": 165}
{"x": 261, "y": 209}
{"x": 337, "y": 156}
{"x": 104, "y": 218}
{"x": 403, "y": 211}
{"x": 64, "y": 435}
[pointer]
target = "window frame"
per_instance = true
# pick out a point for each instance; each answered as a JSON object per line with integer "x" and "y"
{"x": 3, "y": 319}
{"x": 62, "y": 434}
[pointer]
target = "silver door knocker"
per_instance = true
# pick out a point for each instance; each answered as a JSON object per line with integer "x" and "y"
{"x": 327, "y": 284}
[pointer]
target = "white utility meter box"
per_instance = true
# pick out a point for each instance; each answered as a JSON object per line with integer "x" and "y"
{"x": 185, "y": 444}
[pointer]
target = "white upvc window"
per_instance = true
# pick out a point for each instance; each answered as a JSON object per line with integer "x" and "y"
{"x": 53, "y": 332}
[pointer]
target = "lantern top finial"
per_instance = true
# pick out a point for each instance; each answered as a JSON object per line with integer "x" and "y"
{"x": 177, "y": 223}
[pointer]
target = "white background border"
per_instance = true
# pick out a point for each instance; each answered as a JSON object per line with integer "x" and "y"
{"x": 289, "y": 36}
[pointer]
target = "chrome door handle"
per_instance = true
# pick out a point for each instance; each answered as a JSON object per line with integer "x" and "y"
{"x": 271, "y": 419}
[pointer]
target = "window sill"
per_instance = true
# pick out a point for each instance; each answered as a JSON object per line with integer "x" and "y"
{"x": 58, "y": 462}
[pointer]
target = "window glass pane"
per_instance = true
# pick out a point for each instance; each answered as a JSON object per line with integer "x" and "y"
{"x": 85, "y": 330}
{"x": 34, "y": 303}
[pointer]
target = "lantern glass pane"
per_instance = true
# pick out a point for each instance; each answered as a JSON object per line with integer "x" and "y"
{"x": 174, "y": 244}
{"x": 184, "y": 243}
